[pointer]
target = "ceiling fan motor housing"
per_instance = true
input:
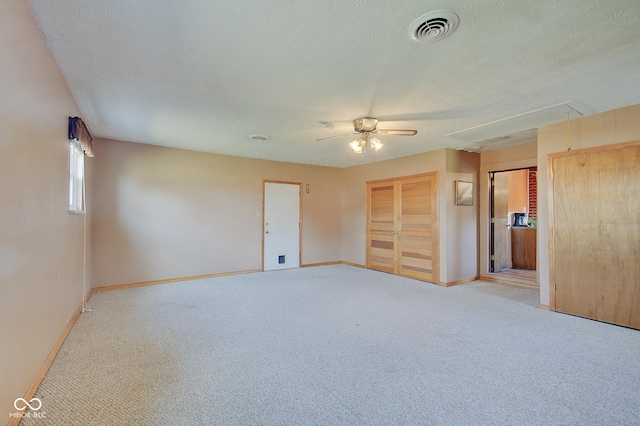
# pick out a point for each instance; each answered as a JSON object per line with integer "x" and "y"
{"x": 365, "y": 124}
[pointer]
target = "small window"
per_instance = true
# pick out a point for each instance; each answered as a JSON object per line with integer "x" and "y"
{"x": 76, "y": 178}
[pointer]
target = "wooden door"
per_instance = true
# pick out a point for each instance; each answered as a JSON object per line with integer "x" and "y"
{"x": 418, "y": 233}
{"x": 402, "y": 226}
{"x": 382, "y": 227}
{"x": 595, "y": 237}
{"x": 501, "y": 228}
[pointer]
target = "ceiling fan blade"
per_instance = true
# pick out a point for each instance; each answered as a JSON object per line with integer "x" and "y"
{"x": 336, "y": 136}
{"x": 397, "y": 132}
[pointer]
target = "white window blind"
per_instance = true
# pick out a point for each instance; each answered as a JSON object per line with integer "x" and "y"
{"x": 76, "y": 177}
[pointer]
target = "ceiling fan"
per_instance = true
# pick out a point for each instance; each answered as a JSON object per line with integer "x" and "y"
{"x": 365, "y": 126}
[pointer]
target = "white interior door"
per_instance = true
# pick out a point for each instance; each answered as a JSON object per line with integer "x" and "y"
{"x": 281, "y": 226}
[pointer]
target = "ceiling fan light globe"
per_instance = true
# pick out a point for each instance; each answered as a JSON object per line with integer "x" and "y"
{"x": 355, "y": 146}
{"x": 376, "y": 144}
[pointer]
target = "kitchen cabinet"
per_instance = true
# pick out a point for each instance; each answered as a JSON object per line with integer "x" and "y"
{"x": 523, "y": 247}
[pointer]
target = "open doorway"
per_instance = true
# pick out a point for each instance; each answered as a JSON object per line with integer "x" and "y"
{"x": 513, "y": 232}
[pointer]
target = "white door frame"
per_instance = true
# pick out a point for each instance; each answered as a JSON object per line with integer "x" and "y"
{"x": 299, "y": 184}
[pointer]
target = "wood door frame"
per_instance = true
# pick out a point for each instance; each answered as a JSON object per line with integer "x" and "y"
{"x": 264, "y": 182}
{"x": 436, "y": 221}
{"x": 550, "y": 197}
{"x": 484, "y": 201}
{"x": 492, "y": 223}
{"x": 491, "y": 174}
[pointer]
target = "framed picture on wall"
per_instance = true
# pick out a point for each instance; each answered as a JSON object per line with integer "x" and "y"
{"x": 464, "y": 193}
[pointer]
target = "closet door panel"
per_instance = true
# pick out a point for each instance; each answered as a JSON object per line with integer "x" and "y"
{"x": 417, "y": 228}
{"x": 382, "y": 222}
{"x": 417, "y": 257}
{"x": 596, "y": 243}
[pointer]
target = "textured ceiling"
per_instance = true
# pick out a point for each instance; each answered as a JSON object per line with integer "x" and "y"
{"x": 204, "y": 75}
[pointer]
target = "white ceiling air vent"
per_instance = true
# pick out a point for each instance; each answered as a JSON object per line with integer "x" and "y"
{"x": 259, "y": 137}
{"x": 433, "y": 26}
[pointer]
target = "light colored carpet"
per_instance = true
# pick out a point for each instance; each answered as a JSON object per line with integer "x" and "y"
{"x": 338, "y": 345}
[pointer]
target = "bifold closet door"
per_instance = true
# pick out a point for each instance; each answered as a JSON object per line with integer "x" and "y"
{"x": 382, "y": 222}
{"x": 402, "y": 234}
{"x": 418, "y": 232}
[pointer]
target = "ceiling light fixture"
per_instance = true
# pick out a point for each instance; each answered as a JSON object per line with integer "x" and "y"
{"x": 360, "y": 145}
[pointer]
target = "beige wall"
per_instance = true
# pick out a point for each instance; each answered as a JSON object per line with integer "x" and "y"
{"x": 458, "y": 241}
{"x": 168, "y": 213}
{"x": 510, "y": 158}
{"x": 497, "y": 161}
{"x": 621, "y": 125}
{"x": 41, "y": 243}
{"x": 461, "y": 222}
